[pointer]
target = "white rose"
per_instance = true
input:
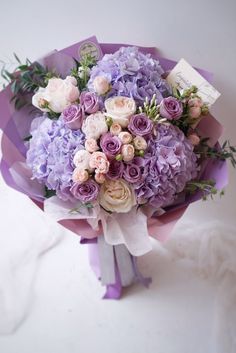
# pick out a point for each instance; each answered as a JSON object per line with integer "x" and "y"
{"x": 117, "y": 196}
{"x": 57, "y": 95}
{"x": 82, "y": 159}
{"x": 41, "y": 100}
{"x": 120, "y": 109}
{"x": 94, "y": 126}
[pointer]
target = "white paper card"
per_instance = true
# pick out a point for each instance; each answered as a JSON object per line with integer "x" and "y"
{"x": 183, "y": 75}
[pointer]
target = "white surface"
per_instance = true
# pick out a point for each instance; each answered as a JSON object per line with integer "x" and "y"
{"x": 179, "y": 312}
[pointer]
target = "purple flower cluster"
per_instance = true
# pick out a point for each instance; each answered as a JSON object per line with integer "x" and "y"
{"x": 169, "y": 163}
{"x": 50, "y": 154}
{"x": 132, "y": 74}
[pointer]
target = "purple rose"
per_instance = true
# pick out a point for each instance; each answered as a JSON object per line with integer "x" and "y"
{"x": 110, "y": 145}
{"x": 140, "y": 125}
{"x": 73, "y": 116}
{"x": 132, "y": 173}
{"x": 89, "y": 102}
{"x": 171, "y": 108}
{"x": 116, "y": 170}
{"x": 85, "y": 192}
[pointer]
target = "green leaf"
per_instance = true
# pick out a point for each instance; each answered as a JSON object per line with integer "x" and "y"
{"x": 28, "y": 138}
{"x": 19, "y": 103}
{"x": 224, "y": 144}
{"x": 49, "y": 193}
{"x": 15, "y": 87}
{"x": 17, "y": 58}
{"x": 23, "y": 67}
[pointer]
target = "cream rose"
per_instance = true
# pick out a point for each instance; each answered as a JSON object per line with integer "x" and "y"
{"x": 81, "y": 159}
{"x": 115, "y": 129}
{"x": 94, "y": 126}
{"x": 125, "y": 137}
{"x": 91, "y": 145}
{"x": 117, "y": 196}
{"x": 120, "y": 109}
{"x": 101, "y": 85}
{"x": 80, "y": 175}
{"x": 140, "y": 143}
{"x": 100, "y": 178}
{"x": 57, "y": 95}
{"x": 99, "y": 162}
{"x": 127, "y": 152}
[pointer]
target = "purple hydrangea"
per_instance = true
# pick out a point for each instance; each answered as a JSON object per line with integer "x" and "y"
{"x": 50, "y": 155}
{"x": 169, "y": 163}
{"x": 132, "y": 74}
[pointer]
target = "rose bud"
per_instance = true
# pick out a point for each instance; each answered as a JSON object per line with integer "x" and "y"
{"x": 101, "y": 85}
{"x": 194, "y": 139}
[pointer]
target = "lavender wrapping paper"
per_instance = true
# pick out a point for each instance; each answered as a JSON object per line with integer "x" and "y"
{"x": 15, "y": 128}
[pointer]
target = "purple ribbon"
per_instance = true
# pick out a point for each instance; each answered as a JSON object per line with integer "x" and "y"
{"x": 113, "y": 290}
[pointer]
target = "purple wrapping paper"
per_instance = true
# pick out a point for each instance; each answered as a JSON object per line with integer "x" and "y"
{"x": 15, "y": 127}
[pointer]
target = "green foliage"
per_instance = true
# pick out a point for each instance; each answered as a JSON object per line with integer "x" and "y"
{"x": 81, "y": 70}
{"x": 49, "y": 193}
{"x": 77, "y": 209}
{"x": 207, "y": 187}
{"x": 227, "y": 151}
{"x": 25, "y": 80}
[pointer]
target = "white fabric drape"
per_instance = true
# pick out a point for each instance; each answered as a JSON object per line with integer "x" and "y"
{"x": 25, "y": 235}
{"x": 210, "y": 248}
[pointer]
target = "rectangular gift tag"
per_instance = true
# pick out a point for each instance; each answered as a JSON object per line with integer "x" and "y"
{"x": 183, "y": 75}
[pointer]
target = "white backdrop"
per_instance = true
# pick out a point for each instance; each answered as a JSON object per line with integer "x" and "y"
{"x": 65, "y": 314}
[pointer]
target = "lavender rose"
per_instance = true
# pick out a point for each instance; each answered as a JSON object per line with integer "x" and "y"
{"x": 116, "y": 170}
{"x": 110, "y": 145}
{"x": 85, "y": 192}
{"x": 132, "y": 173}
{"x": 171, "y": 108}
{"x": 89, "y": 102}
{"x": 140, "y": 125}
{"x": 73, "y": 116}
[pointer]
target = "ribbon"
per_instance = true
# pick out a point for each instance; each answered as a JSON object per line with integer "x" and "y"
{"x": 114, "y": 266}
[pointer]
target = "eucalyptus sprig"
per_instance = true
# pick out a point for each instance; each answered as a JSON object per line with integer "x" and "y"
{"x": 207, "y": 187}
{"x": 77, "y": 209}
{"x": 26, "y": 78}
{"x": 227, "y": 151}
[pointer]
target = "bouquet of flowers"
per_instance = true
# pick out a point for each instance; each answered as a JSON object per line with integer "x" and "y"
{"x": 113, "y": 143}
